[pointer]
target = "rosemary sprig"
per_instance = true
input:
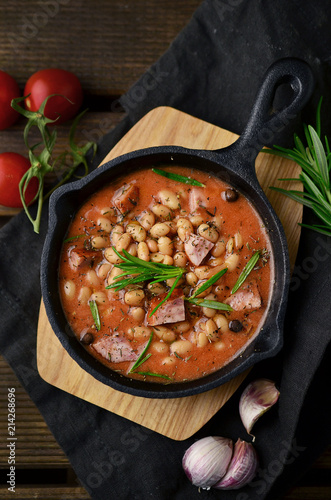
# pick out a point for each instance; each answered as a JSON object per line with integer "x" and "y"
{"x": 141, "y": 359}
{"x": 178, "y": 177}
{"x": 95, "y": 313}
{"x": 246, "y": 271}
{"x": 314, "y": 158}
{"x": 136, "y": 270}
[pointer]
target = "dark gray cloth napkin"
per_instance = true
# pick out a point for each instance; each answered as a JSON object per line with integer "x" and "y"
{"x": 212, "y": 70}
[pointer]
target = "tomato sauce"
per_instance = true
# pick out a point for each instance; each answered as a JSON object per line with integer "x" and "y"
{"x": 203, "y": 230}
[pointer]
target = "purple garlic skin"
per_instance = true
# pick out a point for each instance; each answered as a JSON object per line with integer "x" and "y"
{"x": 242, "y": 468}
{"x": 258, "y": 397}
{"x": 207, "y": 460}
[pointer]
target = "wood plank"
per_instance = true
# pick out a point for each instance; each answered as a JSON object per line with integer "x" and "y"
{"x": 108, "y": 45}
{"x": 168, "y": 416}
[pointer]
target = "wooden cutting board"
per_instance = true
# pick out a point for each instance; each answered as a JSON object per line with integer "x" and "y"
{"x": 177, "y": 418}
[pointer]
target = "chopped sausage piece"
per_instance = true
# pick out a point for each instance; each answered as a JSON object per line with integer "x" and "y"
{"x": 246, "y": 298}
{"x": 126, "y": 198}
{"x": 197, "y": 199}
{"x": 171, "y": 311}
{"x": 196, "y": 248}
{"x": 79, "y": 256}
{"x": 115, "y": 349}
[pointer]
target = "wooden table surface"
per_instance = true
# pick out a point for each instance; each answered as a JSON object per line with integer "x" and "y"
{"x": 108, "y": 45}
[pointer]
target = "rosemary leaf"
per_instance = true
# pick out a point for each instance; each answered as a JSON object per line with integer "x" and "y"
{"x": 151, "y": 374}
{"x": 141, "y": 358}
{"x": 178, "y": 178}
{"x": 209, "y": 283}
{"x": 95, "y": 313}
{"x": 246, "y": 271}
{"x": 167, "y": 296}
{"x": 314, "y": 158}
{"x": 212, "y": 304}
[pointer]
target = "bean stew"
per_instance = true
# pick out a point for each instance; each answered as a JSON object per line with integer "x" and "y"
{"x": 178, "y": 328}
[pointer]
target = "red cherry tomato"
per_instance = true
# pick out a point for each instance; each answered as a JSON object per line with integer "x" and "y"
{"x": 12, "y": 168}
{"x": 54, "y": 81}
{"x": 8, "y": 91}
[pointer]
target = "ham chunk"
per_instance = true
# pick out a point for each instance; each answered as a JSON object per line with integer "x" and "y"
{"x": 126, "y": 198}
{"x": 79, "y": 256}
{"x": 171, "y": 311}
{"x": 115, "y": 349}
{"x": 197, "y": 248}
{"x": 247, "y": 297}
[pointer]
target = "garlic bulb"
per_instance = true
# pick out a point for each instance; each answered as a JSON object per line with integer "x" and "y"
{"x": 207, "y": 460}
{"x": 256, "y": 399}
{"x": 242, "y": 467}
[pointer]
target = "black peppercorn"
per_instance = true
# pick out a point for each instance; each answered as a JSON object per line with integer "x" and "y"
{"x": 235, "y": 325}
{"x": 231, "y": 195}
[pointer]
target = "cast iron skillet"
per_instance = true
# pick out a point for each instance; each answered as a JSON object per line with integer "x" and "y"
{"x": 235, "y": 165}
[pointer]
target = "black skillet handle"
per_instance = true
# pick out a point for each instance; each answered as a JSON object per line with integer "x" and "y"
{"x": 264, "y": 122}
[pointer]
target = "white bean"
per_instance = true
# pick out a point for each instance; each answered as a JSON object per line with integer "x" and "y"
{"x": 99, "y": 242}
{"x": 111, "y": 256}
{"x": 152, "y": 245}
{"x": 181, "y": 326}
{"x": 181, "y": 347}
{"x": 202, "y": 272}
{"x": 108, "y": 211}
{"x": 69, "y": 289}
{"x": 192, "y": 279}
{"x": 211, "y": 330}
{"x": 208, "y": 232}
{"x": 160, "y": 347}
{"x": 143, "y": 251}
{"x": 147, "y": 219}
{"x": 116, "y": 233}
{"x": 140, "y": 332}
{"x": 123, "y": 242}
{"x": 169, "y": 199}
{"x": 238, "y": 240}
{"x": 180, "y": 259}
{"x": 99, "y": 297}
{"x": 84, "y": 295}
{"x": 168, "y": 260}
{"x": 164, "y": 333}
{"x": 113, "y": 273}
{"x": 166, "y": 246}
{"x": 92, "y": 278}
{"x": 159, "y": 229}
{"x": 218, "y": 249}
{"x": 202, "y": 339}
{"x": 161, "y": 211}
{"x": 103, "y": 270}
{"x": 196, "y": 220}
{"x": 132, "y": 249}
{"x": 137, "y": 313}
{"x": 221, "y": 322}
{"x": 137, "y": 232}
{"x": 134, "y": 297}
{"x": 232, "y": 262}
{"x": 156, "y": 288}
{"x": 156, "y": 257}
{"x": 104, "y": 224}
{"x": 230, "y": 245}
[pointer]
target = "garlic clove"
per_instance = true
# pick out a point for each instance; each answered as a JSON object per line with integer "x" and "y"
{"x": 242, "y": 468}
{"x": 256, "y": 399}
{"x": 207, "y": 460}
